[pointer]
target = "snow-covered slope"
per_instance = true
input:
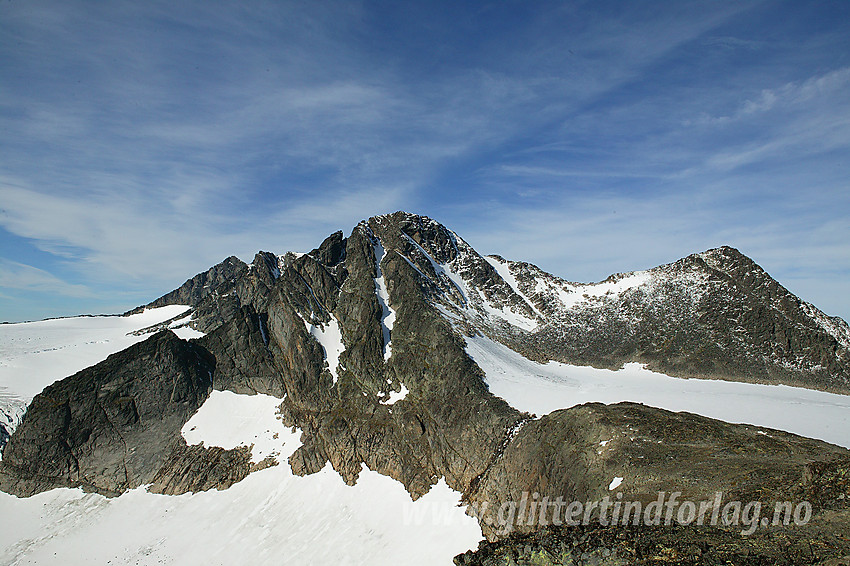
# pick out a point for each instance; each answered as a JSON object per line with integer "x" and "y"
{"x": 491, "y": 300}
{"x": 272, "y": 516}
{"x": 543, "y": 388}
{"x": 35, "y": 354}
{"x": 329, "y": 338}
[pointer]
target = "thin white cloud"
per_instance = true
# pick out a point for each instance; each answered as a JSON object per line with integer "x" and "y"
{"x": 115, "y": 237}
{"x": 786, "y": 97}
{"x": 587, "y": 238}
{"x": 14, "y": 275}
{"x": 733, "y": 43}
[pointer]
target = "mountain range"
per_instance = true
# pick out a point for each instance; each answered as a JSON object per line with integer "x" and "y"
{"x": 401, "y": 350}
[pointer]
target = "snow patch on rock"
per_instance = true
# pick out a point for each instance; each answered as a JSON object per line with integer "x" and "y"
{"x": 387, "y": 313}
{"x": 395, "y": 396}
{"x": 229, "y": 420}
{"x": 181, "y": 327}
{"x": 329, "y": 337}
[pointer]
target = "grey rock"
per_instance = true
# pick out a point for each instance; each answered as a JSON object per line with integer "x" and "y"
{"x": 559, "y": 455}
{"x": 107, "y": 428}
{"x": 244, "y": 363}
{"x": 715, "y": 315}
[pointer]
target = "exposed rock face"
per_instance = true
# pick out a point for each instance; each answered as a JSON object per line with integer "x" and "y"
{"x": 415, "y": 440}
{"x": 364, "y": 337}
{"x": 244, "y": 363}
{"x": 197, "y": 468}
{"x": 575, "y": 453}
{"x": 670, "y": 546}
{"x": 715, "y": 314}
{"x": 108, "y": 427}
{"x": 211, "y": 293}
{"x": 347, "y": 420}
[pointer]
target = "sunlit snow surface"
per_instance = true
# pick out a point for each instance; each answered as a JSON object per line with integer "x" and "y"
{"x": 35, "y": 354}
{"x": 505, "y": 314}
{"x": 329, "y": 338}
{"x": 383, "y": 294}
{"x": 229, "y": 420}
{"x": 182, "y": 330}
{"x": 543, "y": 388}
{"x": 271, "y": 517}
{"x": 395, "y": 397}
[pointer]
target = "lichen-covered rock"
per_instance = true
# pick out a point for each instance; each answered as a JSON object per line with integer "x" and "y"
{"x": 575, "y": 453}
{"x": 665, "y": 545}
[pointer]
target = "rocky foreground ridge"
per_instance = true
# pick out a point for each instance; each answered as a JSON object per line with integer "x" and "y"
{"x": 364, "y": 336}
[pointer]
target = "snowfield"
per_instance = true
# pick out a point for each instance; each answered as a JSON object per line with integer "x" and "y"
{"x": 543, "y": 388}
{"x": 35, "y": 354}
{"x": 229, "y": 420}
{"x": 270, "y": 517}
{"x": 383, "y": 294}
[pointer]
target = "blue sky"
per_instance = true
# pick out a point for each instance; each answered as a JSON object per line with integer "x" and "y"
{"x": 142, "y": 142}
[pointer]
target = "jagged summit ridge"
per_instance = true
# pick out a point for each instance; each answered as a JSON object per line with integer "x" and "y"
{"x": 713, "y": 314}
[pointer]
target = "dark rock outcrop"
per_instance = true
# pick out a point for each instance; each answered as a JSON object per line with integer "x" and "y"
{"x": 415, "y": 440}
{"x": 108, "y": 427}
{"x": 197, "y": 468}
{"x": 575, "y": 453}
{"x": 675, "y": 545}
{"x": 244, "y": 363}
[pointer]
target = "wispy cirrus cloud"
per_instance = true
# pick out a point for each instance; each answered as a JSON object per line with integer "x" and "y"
{"x": 145, "y": 141}
{"x": 118, "y": 243}
{"x": 828, "y": 87}
{"x": 586, "y": 238}
{"x": 14, "y": 275}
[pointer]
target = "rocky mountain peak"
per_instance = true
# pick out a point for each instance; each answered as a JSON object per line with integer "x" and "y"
{"x": 712, "y": 314}
{"x": 364, "y": 339}
{"x": 332, "y": 250}
{"x": 399, "y": 228}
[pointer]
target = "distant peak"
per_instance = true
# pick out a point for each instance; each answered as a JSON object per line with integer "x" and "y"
{"x": 402, "y": 218}
{"x": 724, "y": 250}
{"x": 726, "y": 258}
